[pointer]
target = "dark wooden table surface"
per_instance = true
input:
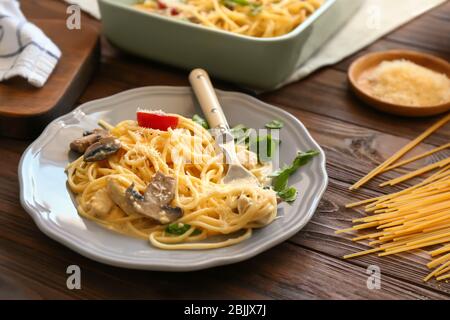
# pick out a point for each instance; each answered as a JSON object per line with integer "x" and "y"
{"x": 309, "y": 265}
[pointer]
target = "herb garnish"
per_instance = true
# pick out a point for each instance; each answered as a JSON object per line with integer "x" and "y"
{"x": 201, "y": 121}
{"x": 280, "y": 177}
{"x": 275, "y": 124}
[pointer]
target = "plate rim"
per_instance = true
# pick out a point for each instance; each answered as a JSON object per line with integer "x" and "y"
{"x": 76, "y": 245}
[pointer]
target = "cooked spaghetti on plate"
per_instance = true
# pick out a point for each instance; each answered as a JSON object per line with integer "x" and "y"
{"x": 256, "y": 18}
{"x": 160, "y": 178}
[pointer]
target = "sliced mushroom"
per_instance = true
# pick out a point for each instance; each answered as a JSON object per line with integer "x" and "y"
{"x": 89, "y": 137}
{"x": 153, "y": 204}
{"x": 161, "y": 189}
{"x": 102, "y": 149}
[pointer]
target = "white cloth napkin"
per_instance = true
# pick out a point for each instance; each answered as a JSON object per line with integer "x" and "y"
{"x": 25, "y": 50}
{"x": 373, "y": 20}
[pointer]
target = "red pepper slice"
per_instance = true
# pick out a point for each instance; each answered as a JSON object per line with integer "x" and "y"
{"x": 154, "y": 120}
{"x": 161, "y": 5}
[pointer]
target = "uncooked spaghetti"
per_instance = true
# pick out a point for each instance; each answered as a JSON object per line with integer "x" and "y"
{"x": 414, "y": 218}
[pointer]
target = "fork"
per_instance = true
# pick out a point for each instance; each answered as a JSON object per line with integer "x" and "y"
{"x": 206, "y": 96}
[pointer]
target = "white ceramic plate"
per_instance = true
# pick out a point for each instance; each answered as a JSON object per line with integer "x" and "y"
{"x": 44, "y": 195}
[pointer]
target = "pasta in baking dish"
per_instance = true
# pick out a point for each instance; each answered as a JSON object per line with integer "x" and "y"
{"x": 255, "y": 18}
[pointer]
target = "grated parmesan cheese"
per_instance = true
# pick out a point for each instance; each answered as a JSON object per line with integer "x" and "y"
{"x": 406, "y": 83}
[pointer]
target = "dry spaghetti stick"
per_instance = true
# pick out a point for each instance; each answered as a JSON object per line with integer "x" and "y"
{"x": 396, "y": 241}
{"x": 401, "y": 152}
{"x": 438, "y": 236}
{"x": 443, "y": 277}
{"x": 436, "y": 271}
{"x": 356, "y": 204}
{"x": 362, "y": 253}
{"x": 443, "y": 271}
{"x": 444, "y": 249}
{"x": 368, "y": 236}
{"x": 420, "y": 156}
{"x": 391, "y": 196}
{"x": 439, "y": 227}
{"x": 440, "y": 260}
{"x": 408, "y": 248}
{"x": 358, "y": 227}
{"x": 418, "y": 172}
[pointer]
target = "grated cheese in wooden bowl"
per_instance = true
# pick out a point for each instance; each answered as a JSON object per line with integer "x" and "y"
{"x": 406, "y": 83}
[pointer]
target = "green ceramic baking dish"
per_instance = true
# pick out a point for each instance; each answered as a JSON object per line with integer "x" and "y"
{"x": 261, "y": 63}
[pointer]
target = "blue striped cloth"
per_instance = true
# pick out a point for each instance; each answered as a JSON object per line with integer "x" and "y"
{"x": 25, "y": 51}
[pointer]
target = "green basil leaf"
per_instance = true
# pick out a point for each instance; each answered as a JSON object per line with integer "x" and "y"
{"x": 303, "y": 158}
{"x": 280, "y": 177}
{"x": 199, "y": 120}
{"x": 240, "y": 133}
{"x": 288, "y": 194}
{"x": 234, "y": 2}
{"x": 178, "y": 228}
{"x": 275, "y": 124}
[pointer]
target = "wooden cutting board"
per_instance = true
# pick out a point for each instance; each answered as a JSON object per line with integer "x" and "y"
{"x": 26, "y": 110}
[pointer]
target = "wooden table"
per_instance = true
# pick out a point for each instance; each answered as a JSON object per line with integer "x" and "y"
{"x": 309, "y": 265}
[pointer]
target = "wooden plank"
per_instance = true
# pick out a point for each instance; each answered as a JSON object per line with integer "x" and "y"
{"x": 11, "y": 288}
{"x": 332, "y": 215}
{"x": 25, "y": 110}
{"x": 351, "y": 152}
{"x": 297, "y": 274}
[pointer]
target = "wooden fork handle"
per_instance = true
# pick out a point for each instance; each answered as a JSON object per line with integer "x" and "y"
{"x": 207, "y": 98}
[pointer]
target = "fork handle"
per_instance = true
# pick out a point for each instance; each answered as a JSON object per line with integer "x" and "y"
{"x": 206, "y": 96}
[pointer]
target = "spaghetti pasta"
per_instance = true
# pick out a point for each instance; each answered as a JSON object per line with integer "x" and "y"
{"x": 418, "y": 157}
{"x": 186, "y": 153}
{"x": 401, "y": 152}
{"x": 256, "y": 18}
{"x": 414, "y": 218}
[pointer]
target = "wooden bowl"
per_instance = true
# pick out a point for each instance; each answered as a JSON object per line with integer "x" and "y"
{"x": 371, "y": 60}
